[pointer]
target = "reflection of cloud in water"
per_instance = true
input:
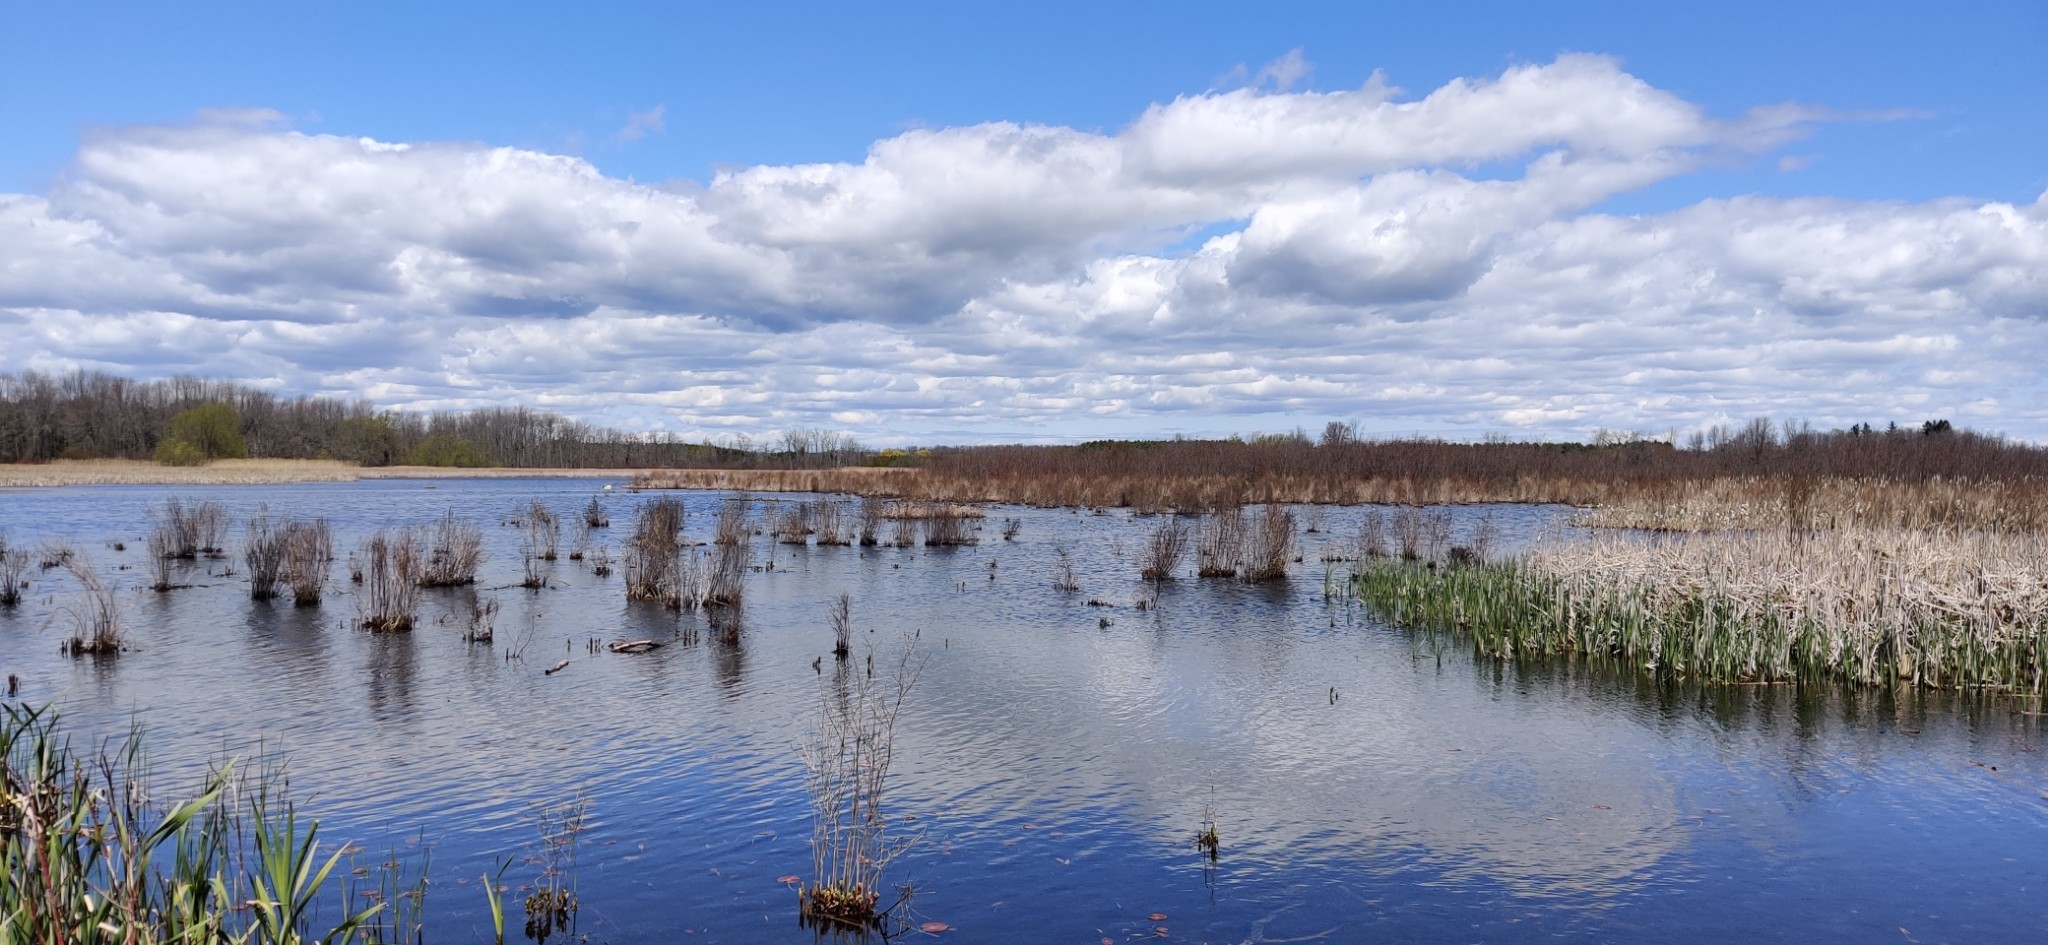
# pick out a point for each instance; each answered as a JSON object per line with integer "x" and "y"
{"x": 1553, "y": 798}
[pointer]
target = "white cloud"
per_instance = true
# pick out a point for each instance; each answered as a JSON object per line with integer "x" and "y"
{"x": 643, "y": 123}
{"x": 1355, "y": 254}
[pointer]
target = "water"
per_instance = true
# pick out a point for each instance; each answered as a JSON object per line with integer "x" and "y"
{"x": 1053, "y": 770}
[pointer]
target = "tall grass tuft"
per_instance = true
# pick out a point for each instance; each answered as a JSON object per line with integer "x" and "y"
{"x": 1220, "y": 542}
{"x": 308, "y": 551}
{"x": 1268, "y": 544}
{"x": 262, "y": 555}
{"x": 871, "y": 513}
{"x": 1868, "y": 605}
{"x": 14, "y": 564}
{"x": 842, "y": 627}
{"x": 594, "y": 515}
{"x": 731, "y": 555}
{"x": 1161, "y": 556}
{"x": 455, "y": 551}
{"x": 393, "y": 567}
{"x": 89, "y": 856}
{"x": 543, "y": 531}
{"x": 846, "y": 764}
{"x": 95, "y": 614}
{"x": 831, "y": 524}
{"x": 188, "y": 532}
{"x": 652, "y": 568}
{"x": 162, "y": 552}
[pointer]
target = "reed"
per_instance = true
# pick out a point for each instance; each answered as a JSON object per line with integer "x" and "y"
{"x": 394, "y": 565}
{"x": 1949, "y": 608}
{"x": 831, "y": 524}
{"x": 732, "y": 555}
{"x": 308, "y": 550}
{"x": 189, "y": 532}
{"x": 1063, "y": 576}
{"x": 793, "y": 523}
{"x": 1220, "y": 542}
{"x": 846, "y": 770}
{"x": 945, "y": 524}
{"x": 842, "y": 627}
{"x": 542, "y": 531}
{"x": 90, "y": 854}
{"x": 94, "y": 614}
{"x": 262, "y": 555}
{"x": 1809, "y": 503}
{"x": 455, "y": 551}
{"x": 14, "y": 563}
{"x": 594, "y": 515}
{"x": 1162, "y": 554}
{"x": 731, "y": 528}
{"x": 162, "y": 551}
{"x": 1268, "y": 545}
{"x": 651, "y": 554}
{"x": 870, "y": 521}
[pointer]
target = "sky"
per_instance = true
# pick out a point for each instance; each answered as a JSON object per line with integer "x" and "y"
{"x": 955, "y": 223}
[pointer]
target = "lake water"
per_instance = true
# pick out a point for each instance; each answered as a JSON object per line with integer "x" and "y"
{"x": 1366, "y": 785}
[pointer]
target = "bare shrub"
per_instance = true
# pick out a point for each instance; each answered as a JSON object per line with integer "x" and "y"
{"x": 594, "y": 515}
{"x": 601, "y": 561}
{"x": 1372, "y": 535}
{"x": 456, "y": 550}
{"x": 903, "y": 532}
{"x": 842, "y": 627}
{"x": 163, "y": 550}
{"x": 1269, "y": 543}
{"x": 483, "y": 615}
{"x": 650, "y": 557}
{"x": 394, "y": 567}
{"x": 543, "y": 532}
{"x": 1011, "y": 528}
{"x": 95, "y": 614}
{"x": 308, "y": 550}
{"x": 1220, "y": 543}
{"x": 1408, "y": 532}
{"x": 732, "y": 521}
{"x": 1063, "y": 576}
{"x": 1161, "y": 555}
{"x": 726, "y": 581}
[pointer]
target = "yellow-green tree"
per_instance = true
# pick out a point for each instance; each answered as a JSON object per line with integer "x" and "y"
{"x": 200, "y": 434}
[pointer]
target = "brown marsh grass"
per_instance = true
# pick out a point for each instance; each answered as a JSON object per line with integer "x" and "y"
{"x": 651, "y": 555}
{"x": 1938, "y": 607}
{"x": 1268, "y": 545}
{"x": 94, "y": 613}
{"x": 394, "y": 565}
{"x": 1812, "y": 504}
{"x": 1160, "y": 559}
{"x": 455, "y": 549}
{"x": 14, "y": 563}
{"x": 308, "y": 548}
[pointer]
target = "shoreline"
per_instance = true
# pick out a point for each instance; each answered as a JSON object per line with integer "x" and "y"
{"x": 230, "y": 472}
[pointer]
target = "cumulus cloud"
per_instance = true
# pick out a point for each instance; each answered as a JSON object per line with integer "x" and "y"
{"x": 1234, "y": 260}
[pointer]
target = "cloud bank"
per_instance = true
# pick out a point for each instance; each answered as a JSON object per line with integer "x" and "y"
{"x": 1231, "y": 261}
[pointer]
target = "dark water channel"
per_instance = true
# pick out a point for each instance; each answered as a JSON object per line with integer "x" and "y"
{"x": 1055, "y": 770}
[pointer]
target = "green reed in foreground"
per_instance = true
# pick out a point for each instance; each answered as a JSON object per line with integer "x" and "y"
{"x": 87, "y": 856}
{"x": 1946, "y": 609}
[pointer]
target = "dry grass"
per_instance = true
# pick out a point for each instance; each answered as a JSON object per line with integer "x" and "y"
{"x": 1813, "y": 504}
{"x": 852, "y": 480}
{"x": 393, "y": 565}
{"x": 1161, "y": 556}
{"x": 249, "y": 472}
{"x": 95, "y": 614}
{"x": 455, "y": 551}
{"x": 1946, "y": 607}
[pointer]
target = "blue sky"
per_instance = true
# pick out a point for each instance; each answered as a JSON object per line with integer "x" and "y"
{"x": 1903, "y": 104}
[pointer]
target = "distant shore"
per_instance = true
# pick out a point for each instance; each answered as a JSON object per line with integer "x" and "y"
{"x": 112, "y": 472}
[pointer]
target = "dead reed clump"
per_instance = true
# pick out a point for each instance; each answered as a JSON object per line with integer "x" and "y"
{"x": 793, "y": 523}
{"x": 1161, "y": 556}
{"x": 846, "y": 765}
{"x": 1063, "y": 576}
{"x": 1269, "y": 544}
{"x": 652, "y": 568}
{"x": 831, "y": 524}
{"x": 394, "y": 565}
{"x": 1950, "y": 608}
{"x": 14, "y": 564}
{"x": 455, "y": 551}
{"x": 483, "y": 614}
{"x": 1012, "y": 527}
{"x": 871, "y": 510}
{"x": 162, "y": 553}
{"x": 1372, "y": 536}
{"x": 308, "y": 549}
{"x": 842, "y": 627}
{"x": 946, "y": 524}
{"x": 543, "y": 532}
{"x": 903, "y": 532}
{"x": 1810, "y": 504}
{"x": 594, "y": 515}
{"x": 1220, "y": 542}
{"x": 262, "y": 554}
{"x": 189, "y": 532}
{"x": 95, "y": 614}
{"x": 732, "y": 554}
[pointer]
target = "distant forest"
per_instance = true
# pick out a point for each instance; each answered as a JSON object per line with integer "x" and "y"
{"x": 91, "y": 415}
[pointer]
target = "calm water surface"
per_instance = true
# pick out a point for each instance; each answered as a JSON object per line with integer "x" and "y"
{"x": 1055, "y": 770}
